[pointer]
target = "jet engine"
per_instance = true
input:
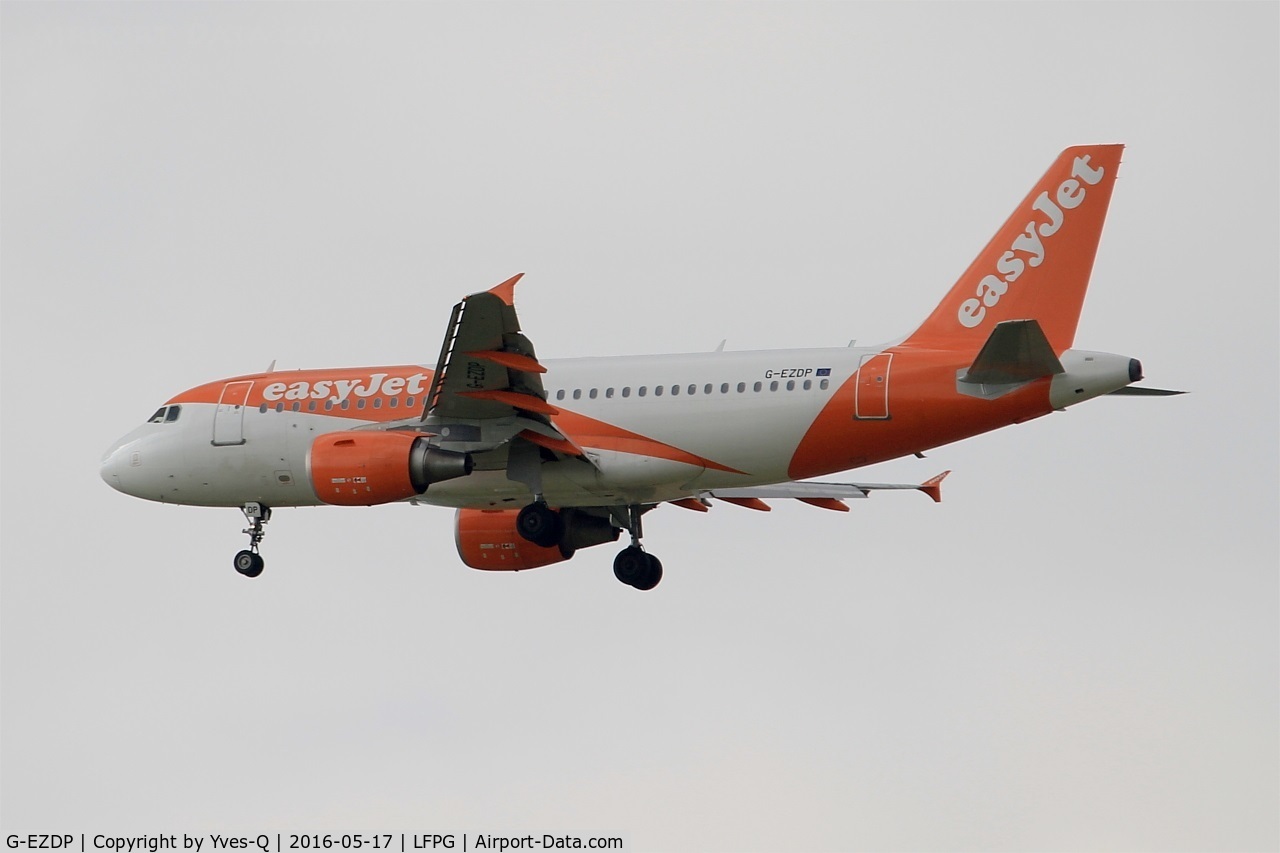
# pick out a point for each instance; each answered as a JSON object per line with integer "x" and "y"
{"x": 360, "y": 468}
{"x": 488, "y": 539}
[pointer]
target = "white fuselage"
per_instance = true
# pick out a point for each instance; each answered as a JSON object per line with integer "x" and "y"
{"x": 746, "y": 412}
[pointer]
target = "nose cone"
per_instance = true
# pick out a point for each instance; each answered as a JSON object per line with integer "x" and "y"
{"x": 132, "y": 464}
{"x": 114, "y": 464}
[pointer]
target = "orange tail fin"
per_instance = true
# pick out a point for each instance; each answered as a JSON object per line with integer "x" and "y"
{"x": 1037, "y": 265}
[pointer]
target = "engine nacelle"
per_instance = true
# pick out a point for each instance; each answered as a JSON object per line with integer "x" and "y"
{"x": 360, "y": 468}
{"x": 488, "y": 539}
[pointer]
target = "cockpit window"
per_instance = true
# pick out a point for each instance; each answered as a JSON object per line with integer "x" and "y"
{"x": 165, "y": 415}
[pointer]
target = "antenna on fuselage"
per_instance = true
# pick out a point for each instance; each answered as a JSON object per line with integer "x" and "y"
{"x": 271, "y": 368}
{"x": 722, "y": 343}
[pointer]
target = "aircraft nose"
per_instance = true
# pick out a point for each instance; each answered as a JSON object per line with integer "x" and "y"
{"x": 114, "y": 461}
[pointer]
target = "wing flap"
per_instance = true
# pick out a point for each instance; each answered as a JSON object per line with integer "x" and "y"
{"x": 822, "y": 494}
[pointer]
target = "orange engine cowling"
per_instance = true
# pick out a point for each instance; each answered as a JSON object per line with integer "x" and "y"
{"x": 487, "y": 538}
{"x": 361, "y": 468}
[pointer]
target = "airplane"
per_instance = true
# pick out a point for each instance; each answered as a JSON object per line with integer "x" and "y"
{"x": 541, "y": 459}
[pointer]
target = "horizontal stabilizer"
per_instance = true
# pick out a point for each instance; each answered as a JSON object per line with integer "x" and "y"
{"x": 1133, "y": 391}
{"x": 1016, "y": 351}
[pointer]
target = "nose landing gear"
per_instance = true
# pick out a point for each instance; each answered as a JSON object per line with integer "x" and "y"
{"x": 249, "y": 562}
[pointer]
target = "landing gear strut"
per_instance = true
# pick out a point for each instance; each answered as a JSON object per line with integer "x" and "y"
{"x": 249, "y": 562}
{"x": 633, "y": 565}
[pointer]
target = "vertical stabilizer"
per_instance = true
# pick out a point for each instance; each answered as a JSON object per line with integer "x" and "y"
{"x": 1037, "y": 266}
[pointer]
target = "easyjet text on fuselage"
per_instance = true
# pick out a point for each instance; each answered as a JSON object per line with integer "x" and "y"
{"x": 340, "y": 390}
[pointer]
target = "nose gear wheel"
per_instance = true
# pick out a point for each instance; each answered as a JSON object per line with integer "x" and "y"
{"x": 249, "y": 562}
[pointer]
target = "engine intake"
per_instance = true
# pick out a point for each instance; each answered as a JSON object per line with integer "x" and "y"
{"x": 359, "y": 468}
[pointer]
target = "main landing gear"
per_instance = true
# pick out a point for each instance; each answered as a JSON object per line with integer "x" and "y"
{"x": 634, "y": 566}
{"x": 249, "y": 562}
{"x": 546, "y": 527}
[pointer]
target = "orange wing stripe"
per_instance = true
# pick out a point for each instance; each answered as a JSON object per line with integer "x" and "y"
{"x": 568, "y": 448}
{"x": 589, "y": 432}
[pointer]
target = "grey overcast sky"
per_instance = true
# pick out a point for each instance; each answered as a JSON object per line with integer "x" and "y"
{"x": 1076, "y": 650}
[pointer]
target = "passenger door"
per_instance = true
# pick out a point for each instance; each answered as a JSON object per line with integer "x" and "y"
{"x": 228, "y": 420}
